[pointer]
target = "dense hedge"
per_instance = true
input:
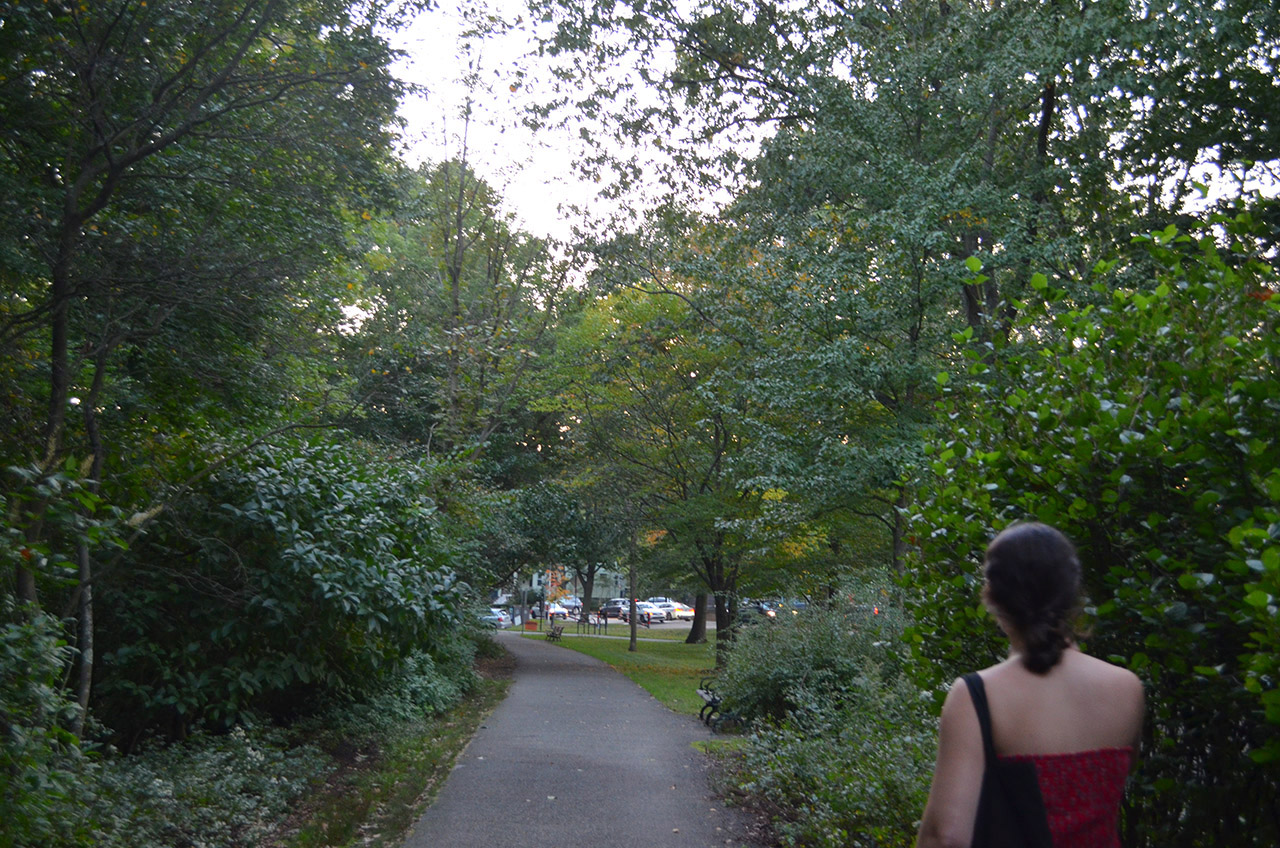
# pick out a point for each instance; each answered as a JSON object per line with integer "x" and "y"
{"x": 301, "y": 569}
{"x": 1145, "y": 427}
{"x": 220, "y": 790}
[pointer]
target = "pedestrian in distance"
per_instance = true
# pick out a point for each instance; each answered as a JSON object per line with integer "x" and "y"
{"x": 1073, "y": 721}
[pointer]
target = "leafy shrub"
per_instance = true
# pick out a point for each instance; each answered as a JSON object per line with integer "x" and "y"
{"x": 299, "y": 569}
{"x": 795, "y": 662}
{"x": 1144, "y": 428}
{"x": 842, "y": 743}
{"x": 423, "y": 686}
{"x": 236, "y": 788}
{"x": 850, "y": 774}
{"x": 42, "y": 767}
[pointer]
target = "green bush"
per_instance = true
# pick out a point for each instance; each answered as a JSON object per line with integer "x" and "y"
{"x": 299, "y": 569}
{"x": 424, "y": 686}
{"x": 796, "y": 662}
{"x": 237, "y": 788}
{"x": 842, "y": 743}
{"x": 1145, "y": 427}
{"x": 42, "y": 767}
{"x": 850, "y": 774}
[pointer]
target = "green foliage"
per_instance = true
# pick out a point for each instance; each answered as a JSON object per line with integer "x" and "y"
{"x": 458, "y": 306}
{"x": 424, "y": 685}
{"x": 317, "y": 567}
{"x": 638, "y": 388}
{"x": 213, "y": 789}
{"x": 69, "y": 514}
{"x": 850, "y": 774}
{"x": 797, "y": 662}
{"x": 842, "y": 742}
{"x": 42, "y": 767}
{"x": 228, "y": 789}
{"x": 204, "y": 155}
{"x": 1144, "y": 428}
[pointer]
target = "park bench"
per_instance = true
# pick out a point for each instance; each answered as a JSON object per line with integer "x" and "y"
{"x": 554, "y": 634}
{"x": 712, "y": 714}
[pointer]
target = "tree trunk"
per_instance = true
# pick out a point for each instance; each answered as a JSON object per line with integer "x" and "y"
{"x": 724, "y": 628}
{"x": 631, "y": 592}
{"x": 59, "y": 333}
{"x": 84, "y": 631}
{"x": 588, "y": 588}
{"x": 899, "y": 534}
{"x": 59, "y": 380}
{"x": 84, "y": 634}
{"x": 698, "y": 630}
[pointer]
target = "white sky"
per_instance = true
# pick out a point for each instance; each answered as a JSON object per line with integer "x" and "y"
{"x": 533, "y": 174}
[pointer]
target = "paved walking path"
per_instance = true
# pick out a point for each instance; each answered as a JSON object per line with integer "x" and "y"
{"x": 578, "y": 755}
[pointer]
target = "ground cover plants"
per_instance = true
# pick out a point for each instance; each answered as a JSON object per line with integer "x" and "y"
{"x": 351, "y": 770}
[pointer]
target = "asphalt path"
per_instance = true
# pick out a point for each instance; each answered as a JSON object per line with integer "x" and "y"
{"x": 579, "y": 755}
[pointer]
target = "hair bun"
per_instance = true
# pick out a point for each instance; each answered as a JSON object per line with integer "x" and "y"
{"x": 1033, "y": 578}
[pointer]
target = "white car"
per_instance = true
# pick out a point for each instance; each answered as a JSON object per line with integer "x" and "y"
{"x": 650, "y": 612}
{"x": 684, "y": 612}
{"x": 668, "y": 608}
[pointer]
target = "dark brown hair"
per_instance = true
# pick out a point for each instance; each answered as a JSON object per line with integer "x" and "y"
{"x": 1033, "y": 579}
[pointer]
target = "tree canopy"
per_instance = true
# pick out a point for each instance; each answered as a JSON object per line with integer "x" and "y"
{"x": 281, "y": 408}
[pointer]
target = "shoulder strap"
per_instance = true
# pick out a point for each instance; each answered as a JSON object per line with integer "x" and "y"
{"x": 978, "y": 693}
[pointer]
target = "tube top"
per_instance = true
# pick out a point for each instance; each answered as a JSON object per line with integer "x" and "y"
{"x": 1082, "y": 792}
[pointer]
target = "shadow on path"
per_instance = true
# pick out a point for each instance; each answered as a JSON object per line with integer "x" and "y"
{"x": 578, "y": 755}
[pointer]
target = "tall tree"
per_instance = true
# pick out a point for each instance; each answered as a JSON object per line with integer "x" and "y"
{"x": 460, "y": 303}
{"x": 640, "y": 400}
{"x": 167, "y": 164}
{"x": 880, "y": 152}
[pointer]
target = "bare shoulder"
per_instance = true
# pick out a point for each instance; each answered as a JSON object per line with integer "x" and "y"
{"x": 958, "y": 725}
{"x": 1119, "y": 698}
{"x": 1119, "y": 680}
{"x": 958, "y": 701}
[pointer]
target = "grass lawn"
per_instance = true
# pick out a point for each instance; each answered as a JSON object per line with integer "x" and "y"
{"x": 621, "y": 630}
{"x": 669, "y": 669}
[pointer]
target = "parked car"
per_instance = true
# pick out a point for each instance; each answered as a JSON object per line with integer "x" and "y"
{"x": 572, "y": 603}
{"x": 751, "y": 610}
{"x": 651, "y": 613}
{"x": 667, "y": 605}
{"x": 684, "y": 612}
{"x": 668, "y": 608}
{"x": 496, "y": 618}
{"x": 616, "y": 608}
{"x": 555, "y": 610}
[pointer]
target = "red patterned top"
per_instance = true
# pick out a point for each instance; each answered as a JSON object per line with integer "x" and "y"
{"x": 1081, "y": 794}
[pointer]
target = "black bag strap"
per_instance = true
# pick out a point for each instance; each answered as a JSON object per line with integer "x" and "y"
{"x": 1011, "y": 810}
{"x": 978, "y": 693}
